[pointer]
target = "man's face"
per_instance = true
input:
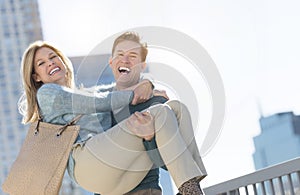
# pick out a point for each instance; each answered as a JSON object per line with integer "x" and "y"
{"x": 126, "y": 63}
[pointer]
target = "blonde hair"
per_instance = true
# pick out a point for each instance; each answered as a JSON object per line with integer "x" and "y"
{"x": 131, "y": 36}
{"x": 28, "y": 105}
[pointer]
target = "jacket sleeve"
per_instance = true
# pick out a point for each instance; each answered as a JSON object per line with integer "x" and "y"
{"x": 78, "y": 101}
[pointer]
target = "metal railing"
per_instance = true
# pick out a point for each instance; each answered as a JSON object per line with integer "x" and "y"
{"x": 281, "y": 179}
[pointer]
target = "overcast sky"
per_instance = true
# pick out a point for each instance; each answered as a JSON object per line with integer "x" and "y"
{"x": 255, "y": 45}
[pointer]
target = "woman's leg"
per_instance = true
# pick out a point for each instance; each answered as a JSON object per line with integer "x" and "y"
{"x": 111, "y": 163}
{"x": 172, "y": 146}
{"x": 117, "y": 158}
{"x": 186, "y": 129}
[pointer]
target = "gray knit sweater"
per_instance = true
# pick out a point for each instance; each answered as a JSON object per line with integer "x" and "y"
{"x": 59, "y": 105}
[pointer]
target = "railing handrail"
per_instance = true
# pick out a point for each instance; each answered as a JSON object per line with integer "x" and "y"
{"x": 268, "y": 173}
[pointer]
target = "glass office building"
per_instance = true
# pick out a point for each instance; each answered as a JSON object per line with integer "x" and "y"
{"x": 279, "y": 139}
{"x": 19, "y": 25}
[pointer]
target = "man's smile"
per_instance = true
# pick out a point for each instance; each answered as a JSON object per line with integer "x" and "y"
{"x": 124, "y": 70}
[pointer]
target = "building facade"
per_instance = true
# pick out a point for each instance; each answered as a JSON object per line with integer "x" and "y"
{"x": 19, "y": 25}
{"x": 279, "y": 140}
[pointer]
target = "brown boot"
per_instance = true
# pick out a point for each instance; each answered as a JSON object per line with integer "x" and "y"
{"x": 190, "y": 187}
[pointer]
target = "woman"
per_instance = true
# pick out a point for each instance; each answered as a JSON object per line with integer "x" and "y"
{"x": 109, "y": 160}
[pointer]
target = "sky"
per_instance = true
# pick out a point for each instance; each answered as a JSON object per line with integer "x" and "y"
{"x": 254, "y": 44}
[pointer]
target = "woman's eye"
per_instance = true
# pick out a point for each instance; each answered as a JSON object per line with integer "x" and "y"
{"x": 41, "y": 63}
{"x": 53, "y": 57}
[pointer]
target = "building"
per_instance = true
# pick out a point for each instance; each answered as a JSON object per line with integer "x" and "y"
{"x": 279, "y": 139}
{"x": 19, "y": 25}
{"x": 92, "y": 70}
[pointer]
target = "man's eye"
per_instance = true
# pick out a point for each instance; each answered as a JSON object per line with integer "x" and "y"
{"x": 120, "y": 54}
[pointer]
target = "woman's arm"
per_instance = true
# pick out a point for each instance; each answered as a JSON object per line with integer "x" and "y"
{"x": 78, "y": 101}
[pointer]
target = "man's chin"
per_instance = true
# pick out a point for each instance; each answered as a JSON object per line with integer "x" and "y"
{"x": 127, "y": 80}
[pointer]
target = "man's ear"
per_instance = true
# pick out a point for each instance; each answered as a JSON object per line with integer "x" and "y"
{"x": 110, "y": 61}
{"x": 144, "y": 66}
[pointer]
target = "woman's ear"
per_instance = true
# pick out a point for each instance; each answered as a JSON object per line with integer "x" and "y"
{"x": 36, "y": 77}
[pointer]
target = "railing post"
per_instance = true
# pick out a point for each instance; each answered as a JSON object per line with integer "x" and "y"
{"x": 263, "y": 188}
{"x": 272, "y": 187}
{"x": 281, "y": 185}
{"x": 254, "y": 189}
{"x": 298, "y": 177}
{"x": 246, "y": 190}
{"x": 290, "y": 182}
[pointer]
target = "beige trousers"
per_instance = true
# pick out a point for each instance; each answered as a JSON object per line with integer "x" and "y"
{"x": 114, "y": 162}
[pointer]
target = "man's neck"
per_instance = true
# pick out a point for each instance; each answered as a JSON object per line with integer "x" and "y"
{"x": 127, "y": 86}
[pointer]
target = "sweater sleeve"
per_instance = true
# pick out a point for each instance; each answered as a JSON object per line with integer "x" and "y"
{"x": 78, "y": 101}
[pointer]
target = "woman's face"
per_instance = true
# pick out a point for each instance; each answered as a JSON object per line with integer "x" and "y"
{"x": 48, "y": 67}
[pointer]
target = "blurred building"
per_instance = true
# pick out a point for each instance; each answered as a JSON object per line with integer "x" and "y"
{"x": 92, "y": 70}
{"x": 19, "y": 25}
{"x": 279, "y": 139}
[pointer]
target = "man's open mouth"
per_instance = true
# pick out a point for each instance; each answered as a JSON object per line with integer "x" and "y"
{"x": 124, "y": 70}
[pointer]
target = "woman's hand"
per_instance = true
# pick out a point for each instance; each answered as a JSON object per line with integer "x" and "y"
{"x": 141, "y": 124}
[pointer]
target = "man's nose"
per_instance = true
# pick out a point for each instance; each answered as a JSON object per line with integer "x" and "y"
{"x": 125, "y": 59}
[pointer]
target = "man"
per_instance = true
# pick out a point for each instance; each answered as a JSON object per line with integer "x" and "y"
{"x": 127, "y": 62}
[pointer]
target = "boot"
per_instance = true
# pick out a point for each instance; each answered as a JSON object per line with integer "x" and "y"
{"x": 190, "y": 187}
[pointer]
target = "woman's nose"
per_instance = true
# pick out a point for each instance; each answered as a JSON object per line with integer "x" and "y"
{"x": 50, "y": 62}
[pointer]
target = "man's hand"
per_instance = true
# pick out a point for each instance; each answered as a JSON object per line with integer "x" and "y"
{"x": 162, "y": 93}
{"x": 141, "y": 124}
{"x": 143, "y": 91}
